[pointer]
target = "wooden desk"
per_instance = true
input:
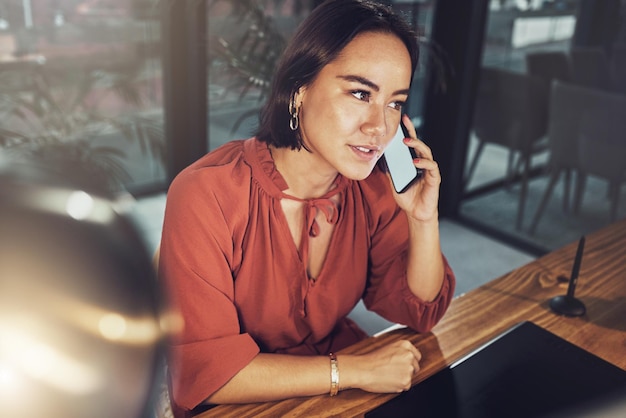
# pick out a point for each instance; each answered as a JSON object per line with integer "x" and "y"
{"x": 476, "y": 317}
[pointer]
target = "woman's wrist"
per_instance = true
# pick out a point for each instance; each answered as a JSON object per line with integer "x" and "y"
{"x": 351, "y": 374}
{"x": 431, "y": 220}
{"x": 334, "y": 374}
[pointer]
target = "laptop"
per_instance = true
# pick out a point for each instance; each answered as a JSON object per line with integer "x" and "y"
{"x": 526, "y": 371}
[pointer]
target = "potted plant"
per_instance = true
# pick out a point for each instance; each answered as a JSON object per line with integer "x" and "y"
{"x": 74, "y": 117}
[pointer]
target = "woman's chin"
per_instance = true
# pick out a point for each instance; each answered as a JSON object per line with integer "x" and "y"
{"x": 357, "y": 174}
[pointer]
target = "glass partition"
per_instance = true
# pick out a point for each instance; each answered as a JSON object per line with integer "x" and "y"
{"x": 545, "y": 66}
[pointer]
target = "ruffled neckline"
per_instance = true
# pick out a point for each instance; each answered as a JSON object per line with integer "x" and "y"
{"x": 265, "y": 172}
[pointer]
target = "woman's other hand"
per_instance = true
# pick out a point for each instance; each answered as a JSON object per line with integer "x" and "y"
{"x": 389, "y": 369}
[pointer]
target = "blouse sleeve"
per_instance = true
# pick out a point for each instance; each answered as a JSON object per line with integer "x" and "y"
{"x": 197, "y": 257}
{"x": 387, "y": 292}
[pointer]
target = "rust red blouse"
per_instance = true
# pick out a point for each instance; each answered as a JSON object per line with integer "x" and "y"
{"x": 235, "y": 274}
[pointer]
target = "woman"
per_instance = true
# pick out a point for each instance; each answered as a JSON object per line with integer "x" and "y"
{"x": 268, "y": 243}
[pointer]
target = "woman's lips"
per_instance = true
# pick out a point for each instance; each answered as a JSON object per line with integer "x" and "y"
{"x": 365, "y": 153}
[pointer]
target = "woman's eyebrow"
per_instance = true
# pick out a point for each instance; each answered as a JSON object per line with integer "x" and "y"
{"x": 368, "y": 83}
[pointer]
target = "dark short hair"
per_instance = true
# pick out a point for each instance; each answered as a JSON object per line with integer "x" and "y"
{"x": 317, "y": 42}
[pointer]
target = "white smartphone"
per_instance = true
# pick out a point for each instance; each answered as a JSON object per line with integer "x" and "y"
{"x": 399, "y": 159}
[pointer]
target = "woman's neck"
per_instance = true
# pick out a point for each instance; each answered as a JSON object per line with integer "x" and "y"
{"x": 301, "y": 171}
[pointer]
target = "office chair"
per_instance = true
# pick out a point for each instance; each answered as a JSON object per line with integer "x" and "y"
{"x": 618, "y": 68}
{"x": 590, "y": 67}
{"x": 510, "y": 111}
{"x": 549, "y": 65}
{"x": 569, "y": 105}
{"x": 567, "y": 102}
{"x": 602, "y": 147}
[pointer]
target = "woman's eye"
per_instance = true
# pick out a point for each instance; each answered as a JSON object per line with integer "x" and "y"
{"x": 361, "y": 95}
{"x": 397, "y": 105}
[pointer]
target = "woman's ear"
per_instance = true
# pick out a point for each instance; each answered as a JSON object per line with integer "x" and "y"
{"x": 299, "y": 96}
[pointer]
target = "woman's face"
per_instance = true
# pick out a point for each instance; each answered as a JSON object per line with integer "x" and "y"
{"x": 351, "y": 111}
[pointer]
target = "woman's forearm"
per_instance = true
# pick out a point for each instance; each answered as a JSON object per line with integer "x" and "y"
{"x": 425, "y": 265}
{"x": 271, "y": 377}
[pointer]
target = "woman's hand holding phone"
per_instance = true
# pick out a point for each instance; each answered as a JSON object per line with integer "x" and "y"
{"x": 419, "y": 198}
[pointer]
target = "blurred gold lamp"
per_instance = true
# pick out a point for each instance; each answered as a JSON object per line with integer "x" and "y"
{"x": 80, "y": 310}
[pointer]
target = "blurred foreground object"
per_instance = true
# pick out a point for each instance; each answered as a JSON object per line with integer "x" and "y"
{"x": 81, "y": 318}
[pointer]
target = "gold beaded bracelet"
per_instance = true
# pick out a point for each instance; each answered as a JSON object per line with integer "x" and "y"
{"x": 334, "y": 375}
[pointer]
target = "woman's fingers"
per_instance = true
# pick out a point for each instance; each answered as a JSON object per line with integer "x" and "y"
{"x": 391, "y": 368}
{"x": 421, "y": 149}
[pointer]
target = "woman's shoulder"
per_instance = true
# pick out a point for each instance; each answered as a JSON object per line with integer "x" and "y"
{"x": 225, "y": 155}
{"x": 221, "y": 176}
{"x": 216, "y": 168}
{"x": 213, "y": 193}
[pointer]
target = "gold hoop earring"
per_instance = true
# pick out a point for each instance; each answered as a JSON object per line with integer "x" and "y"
{"x": 294, "y": 121}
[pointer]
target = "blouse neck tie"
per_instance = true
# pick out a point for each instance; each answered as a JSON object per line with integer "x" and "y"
{"x": 312, "y": 229}
{"x": 328, "y": 207}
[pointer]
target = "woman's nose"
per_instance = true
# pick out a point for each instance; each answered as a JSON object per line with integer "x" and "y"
{"x": 376, "y": 123}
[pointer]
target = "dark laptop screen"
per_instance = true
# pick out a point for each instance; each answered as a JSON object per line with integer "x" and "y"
{"x": 525, "y": 372}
